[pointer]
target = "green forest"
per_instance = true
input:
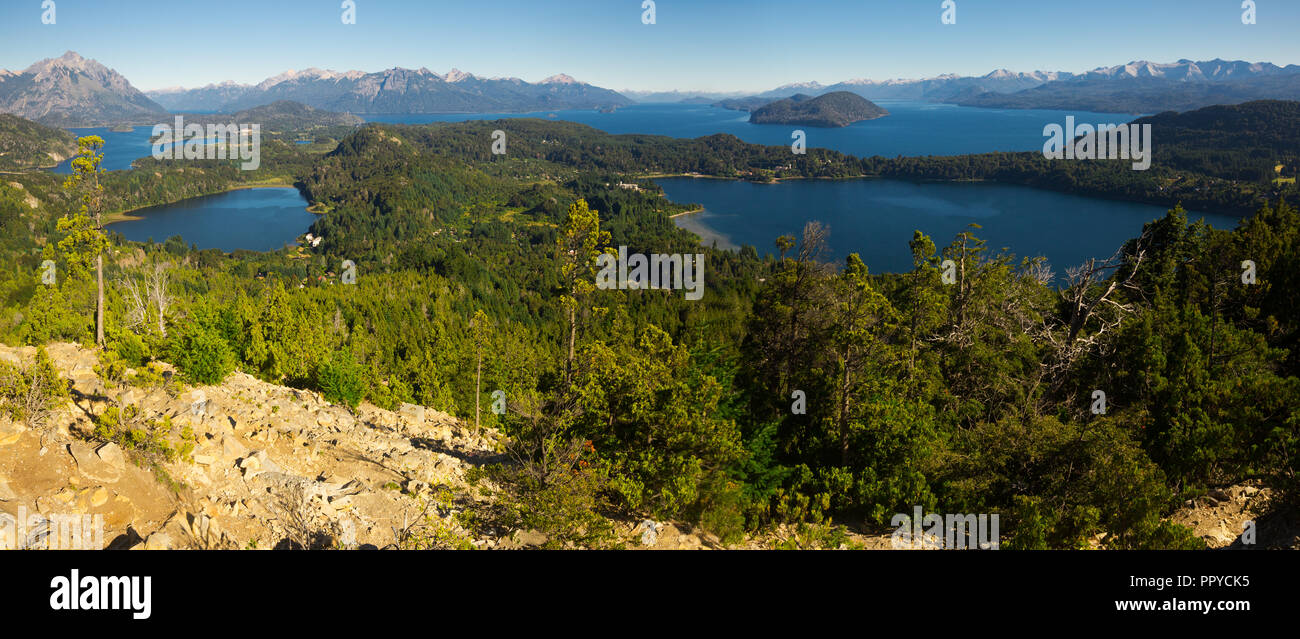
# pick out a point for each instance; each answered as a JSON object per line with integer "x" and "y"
{"x": 797, "y": 391}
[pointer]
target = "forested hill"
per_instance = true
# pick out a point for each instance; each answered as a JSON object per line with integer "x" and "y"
{"x": 1241, "y": 142}
{"x": 286, "y": 115}
{"x": 837, "y": 109}
{"x": 283, "y": 118}
{"x": 25, "y": 144}
{"x": 1236, "y": 166}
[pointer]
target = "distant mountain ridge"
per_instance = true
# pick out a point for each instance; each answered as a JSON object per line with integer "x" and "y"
{"x": 1135, "y": 87}
{"x": 74, "y": 91}
{"x": 396, "y": 90}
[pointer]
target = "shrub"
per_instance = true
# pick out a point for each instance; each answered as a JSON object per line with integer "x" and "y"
{"x": 201, "y": 354}
{"x": 30, "y": 393}
{"x": 341, "y": 381}
{"x": 131, "y": 348}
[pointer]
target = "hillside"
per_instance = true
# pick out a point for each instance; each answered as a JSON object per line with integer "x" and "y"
{"x": 27, "y": 145}
{"x": 262, "y": 465}
{"x": 259, "y": 466}
{"x": 280, "y": 117}
{"x": 836, "y": 109}
{"x": 754, "y": 102}
{"x": 461, "y": 257}
{"x": 72, "y": 91}
{"x": 1243, "y": 141}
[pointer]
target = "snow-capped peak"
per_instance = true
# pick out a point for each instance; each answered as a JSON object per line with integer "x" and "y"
{"x": 456, "y": 75}
{"x": 560, "y": 79}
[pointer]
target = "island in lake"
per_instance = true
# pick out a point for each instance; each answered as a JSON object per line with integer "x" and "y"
{"x": 837, "y": 109}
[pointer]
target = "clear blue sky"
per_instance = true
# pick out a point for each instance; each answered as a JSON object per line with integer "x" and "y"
{"x": 719, "y": 45}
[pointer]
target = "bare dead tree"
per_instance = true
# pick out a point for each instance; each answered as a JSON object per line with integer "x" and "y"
{"x": 148, "y": 297}
{"x": 136, "y": 310}
{"x": 155, "y": 283}
{"x": 1090, "y": 294}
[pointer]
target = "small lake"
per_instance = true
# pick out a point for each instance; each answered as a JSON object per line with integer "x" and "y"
{"x": 875, "y": 218}
{"x": 263, "y": 219}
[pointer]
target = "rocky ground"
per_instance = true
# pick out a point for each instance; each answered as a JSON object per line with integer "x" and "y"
{"x": 1223, "y": 515}
{"x": 271, "y": 466}
{"x": 276, "y": 467}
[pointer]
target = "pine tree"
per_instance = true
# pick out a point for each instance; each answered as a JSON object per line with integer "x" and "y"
{"x": 86, "y": 240}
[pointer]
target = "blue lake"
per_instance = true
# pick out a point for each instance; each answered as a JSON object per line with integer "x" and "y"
{"x": 912, "y": 128}
{"x": 121, "y": 148}
{"x": 872, "y": 217}
{"x": 255, "y": 219}
{"x": 876, "y": 218}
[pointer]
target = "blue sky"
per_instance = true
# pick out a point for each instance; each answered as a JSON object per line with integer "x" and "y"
{"x": 718, "y": 45}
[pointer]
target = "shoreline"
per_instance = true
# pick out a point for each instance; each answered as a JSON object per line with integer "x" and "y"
{"x": 691, "y": 212}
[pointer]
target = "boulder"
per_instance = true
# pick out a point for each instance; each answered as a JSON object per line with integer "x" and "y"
{"x": 411, "y": 414}
{"x": 93, "y": 466}
{"x": 233, "y": 448}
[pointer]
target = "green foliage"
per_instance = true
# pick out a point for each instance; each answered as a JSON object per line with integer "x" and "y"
{"x": 130, "y": 347}
{"x": 342, "y": 380}
{"x": 30, "y": 392}
{"x": 200, "y": 351}
{"x": 963, "y": 397}
{"x": 149, "y": 441}
{"x": 652, "y": 418}
{"x": 26, "y": 145}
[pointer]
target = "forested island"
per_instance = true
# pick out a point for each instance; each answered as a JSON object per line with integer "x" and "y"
{"x": 836, "y": 109}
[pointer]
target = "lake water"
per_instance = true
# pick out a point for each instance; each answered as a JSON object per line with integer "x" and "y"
{"x": 912, "y": 128}
{"x": 873, "y": 217}
{"x": 876, "y": 218}
{"x": 255, "y": 219}
{"x": 121, "y": 148}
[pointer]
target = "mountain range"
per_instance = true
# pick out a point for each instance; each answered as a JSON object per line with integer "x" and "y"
{"x": 1136, "y": 87}
{"x": 73, "y": 91}
{"x": 395, "y": 91}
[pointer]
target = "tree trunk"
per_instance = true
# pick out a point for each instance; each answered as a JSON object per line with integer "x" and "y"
{"x": 573, "y": 336}
{"x": 99, "y": 306}
{"x": 478, "y": 387}
{"x": 844, "y": 416}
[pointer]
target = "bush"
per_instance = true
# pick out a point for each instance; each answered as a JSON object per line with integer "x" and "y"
{"x": 341, "y": 380}
{"x": 201, "y": 354}
{"x": 131, "y": 348}
{"x": 30, "y": 393}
